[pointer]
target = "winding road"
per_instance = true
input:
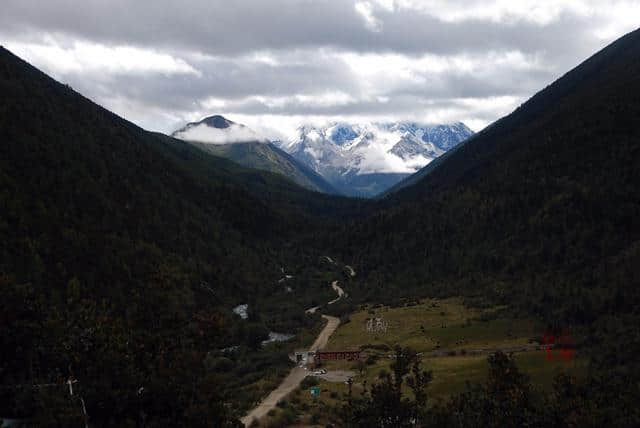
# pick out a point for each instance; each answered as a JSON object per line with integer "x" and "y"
{"x": 337, "y": 289}
{"x": 297, "y": 374}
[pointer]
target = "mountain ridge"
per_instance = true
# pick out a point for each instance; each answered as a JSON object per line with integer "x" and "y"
{"x": 376, "y": 155}
{"x": 539, "y": 211}
{"x": 535, "y": 106}
{"x": 255, "y": 153}
{"x": 123, "y": 253}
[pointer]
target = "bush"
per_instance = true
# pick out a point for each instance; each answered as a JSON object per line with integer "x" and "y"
{"x": 308, "y": 382}
{"x": 377, "y": 347}
{"x": 286, "y": 418}
{"x": 219, "y": 364}
{"x": 371, "y": 359}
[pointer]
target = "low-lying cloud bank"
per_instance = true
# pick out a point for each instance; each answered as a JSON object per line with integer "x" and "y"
{"x": 235, "y": 133}
{"x": 165, "y": 63}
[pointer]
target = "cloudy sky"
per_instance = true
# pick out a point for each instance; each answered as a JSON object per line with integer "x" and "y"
{"x": 272, "y": 64}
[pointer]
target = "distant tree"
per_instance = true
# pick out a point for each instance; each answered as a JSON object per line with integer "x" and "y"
{"x": 503, "y": 401}
{"x": 361, "y": 366}
{"x": 385, "y": 405}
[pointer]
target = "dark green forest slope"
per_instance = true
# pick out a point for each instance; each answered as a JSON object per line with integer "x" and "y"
{"x": 122, "y": 254}
{"x": 540, "y": 210}
{"x": 124, "y": 251}
{"x": 267, "y": 157}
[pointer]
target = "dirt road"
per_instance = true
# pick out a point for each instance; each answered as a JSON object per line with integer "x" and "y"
{"x": 337, "y": 289}
{"x": 327, "y": 331}
{"x": 337, "y": 376}
{"x": 289, "y": 383}
{"x": 350, "y": 269}
{"x": 294, "y": 377}
{"x": 296, "y": 374}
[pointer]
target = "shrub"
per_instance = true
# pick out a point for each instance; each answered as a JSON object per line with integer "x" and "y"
{"x": 378, "y": 347}
{"x": 371, "y": 359}
{"x": 308, "y": 382}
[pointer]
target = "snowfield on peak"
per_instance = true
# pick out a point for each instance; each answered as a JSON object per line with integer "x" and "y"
{"x": 366, "y": 159}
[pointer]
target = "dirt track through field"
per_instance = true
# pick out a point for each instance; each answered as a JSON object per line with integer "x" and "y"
{"x": 289, "y": 383}
{"x": 297, "y": 374}
{"x": 338, "y": 290}
{"x": 294, "y": 377}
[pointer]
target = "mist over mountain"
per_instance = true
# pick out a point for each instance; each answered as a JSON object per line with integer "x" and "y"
{"x": 222, "y": 137}
{"x": 366, "y": 159}
{"x": 352, "y": 159}
{"x": 217, "y": 130}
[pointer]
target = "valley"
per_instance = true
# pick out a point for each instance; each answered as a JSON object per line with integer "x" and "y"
{"x": 452, "y": 340}
{"x": 297, "y": 374}
{"x": 148, "y": 280}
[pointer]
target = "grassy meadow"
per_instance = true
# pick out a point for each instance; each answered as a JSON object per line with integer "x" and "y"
{"x": 454, "y": 341}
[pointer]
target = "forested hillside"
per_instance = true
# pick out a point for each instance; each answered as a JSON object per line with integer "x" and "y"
{"x": 123, "y": 253}
{"x": 540, "y": 210}
{"x": 267, "y": 157}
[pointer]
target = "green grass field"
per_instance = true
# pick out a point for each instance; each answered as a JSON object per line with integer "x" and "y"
{"x": 447, "y": 323}
{"x": 437, "y": 329}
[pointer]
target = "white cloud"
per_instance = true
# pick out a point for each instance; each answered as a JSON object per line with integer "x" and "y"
{"x": 207, "y": 134}
{"x": 377, "y": 158}
{"x": 541, "y": 13}
{"x": 365, "y": 10}
{"x": 86, "y": 57}
{"x": 311, "y": 61}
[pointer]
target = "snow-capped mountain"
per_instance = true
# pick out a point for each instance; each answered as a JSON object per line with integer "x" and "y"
{"x": 222, "y": 137}
{"x": 366, "y": 159}
{"x": 217, "y": 130}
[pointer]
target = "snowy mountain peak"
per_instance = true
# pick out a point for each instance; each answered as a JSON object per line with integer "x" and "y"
{"x": 342, "y": 133}
{"x": 217, "y": 130}
{"x": 343, "y": 153}
{"x": 217, "y": 121}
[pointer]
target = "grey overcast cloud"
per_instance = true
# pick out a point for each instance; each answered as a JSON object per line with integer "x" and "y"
{"x": 273, "y": 64}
